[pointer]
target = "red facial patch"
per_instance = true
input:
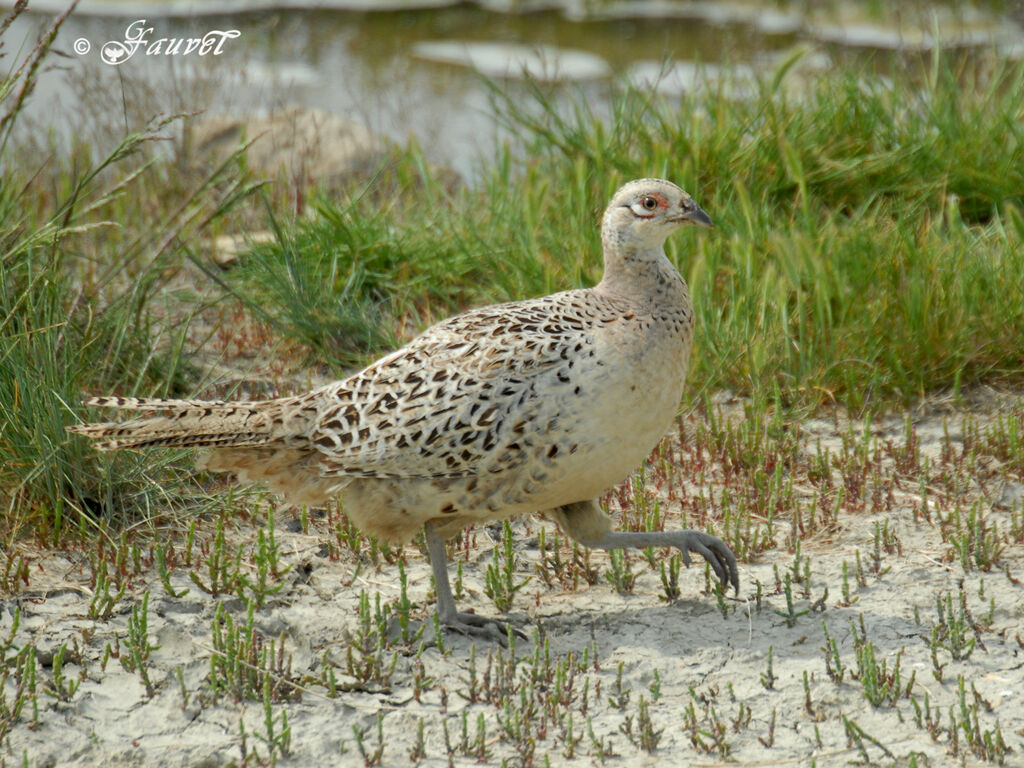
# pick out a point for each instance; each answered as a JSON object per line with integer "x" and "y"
{"x": 658, "y": 198}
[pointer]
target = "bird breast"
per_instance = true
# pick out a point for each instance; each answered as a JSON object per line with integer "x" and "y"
{"x": 630, "y": 401}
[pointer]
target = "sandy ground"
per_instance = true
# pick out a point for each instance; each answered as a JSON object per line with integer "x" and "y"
{"x": 698, "y": 676}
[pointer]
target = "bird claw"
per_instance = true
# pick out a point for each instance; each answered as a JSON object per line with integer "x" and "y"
{"x": 471, "y": 625}
{"x": 716, "y": 552}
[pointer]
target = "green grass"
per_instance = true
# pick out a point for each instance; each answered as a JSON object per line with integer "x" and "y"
{"x": 867, "y": 248}
{"x": 85, "y": 265}
{"x": 866, "y": 252}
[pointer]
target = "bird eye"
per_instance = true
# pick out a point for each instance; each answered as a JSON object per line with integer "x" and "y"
{"x": 649, "y": 203}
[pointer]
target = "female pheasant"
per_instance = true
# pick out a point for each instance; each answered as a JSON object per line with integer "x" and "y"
{"x": 530, "y": 406}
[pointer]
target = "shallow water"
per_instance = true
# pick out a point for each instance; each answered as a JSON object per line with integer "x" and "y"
{"x": 413, "y": 72}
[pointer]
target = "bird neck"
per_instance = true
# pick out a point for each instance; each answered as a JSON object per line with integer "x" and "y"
{"x": 642, "y": 275}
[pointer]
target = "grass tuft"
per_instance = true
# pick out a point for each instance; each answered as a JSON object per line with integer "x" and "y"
{"x": 865, "y": 231}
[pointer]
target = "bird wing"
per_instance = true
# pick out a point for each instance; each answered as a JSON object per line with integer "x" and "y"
{"x": 456, "y": 398}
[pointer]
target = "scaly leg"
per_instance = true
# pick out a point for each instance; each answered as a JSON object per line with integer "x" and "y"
{"x": 586, "y": 523}
{"x": 468, "y": 624}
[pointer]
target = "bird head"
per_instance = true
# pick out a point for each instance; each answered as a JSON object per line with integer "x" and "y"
{"x": 643, "y": 213}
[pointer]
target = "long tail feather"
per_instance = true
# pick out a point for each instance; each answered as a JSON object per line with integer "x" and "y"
{"x": 260, "y": 441}
{"x": 243, "y": 439}
{"x": 160, "y": 404}
{"x": 184, "y": 423}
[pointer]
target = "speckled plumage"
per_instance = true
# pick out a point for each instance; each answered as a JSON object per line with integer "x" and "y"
{"x": 530, "y": 406}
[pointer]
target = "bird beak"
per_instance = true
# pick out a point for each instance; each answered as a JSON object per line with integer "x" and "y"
{"x": 696, "y": 216}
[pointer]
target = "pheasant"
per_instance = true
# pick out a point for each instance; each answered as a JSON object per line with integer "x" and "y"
{"x": 529, "y": 406}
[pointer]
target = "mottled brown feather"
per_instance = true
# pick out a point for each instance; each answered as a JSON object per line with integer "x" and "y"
{"x": 509, "y": 408}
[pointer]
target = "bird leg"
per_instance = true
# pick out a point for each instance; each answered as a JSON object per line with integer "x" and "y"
{"x": 468, "y": 624}
{"x": 586, "y": 523}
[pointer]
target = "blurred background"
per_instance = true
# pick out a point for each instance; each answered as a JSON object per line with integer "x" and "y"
{"x": 409, "y": 68}
{"x": 863, "y": 162}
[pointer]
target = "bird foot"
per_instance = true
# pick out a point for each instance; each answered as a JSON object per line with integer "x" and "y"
{"x": 715, "y": 551}
{"x": 471, "y": 625}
